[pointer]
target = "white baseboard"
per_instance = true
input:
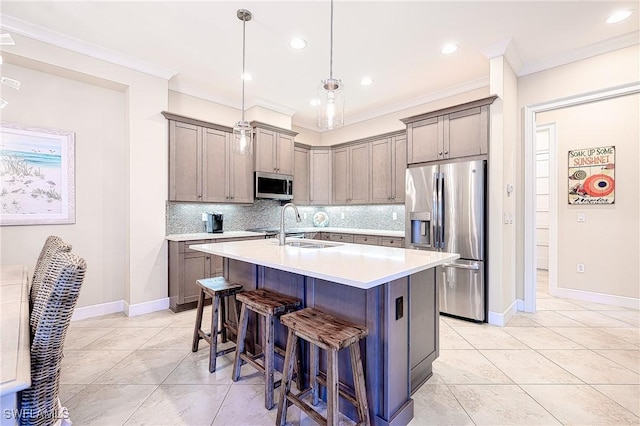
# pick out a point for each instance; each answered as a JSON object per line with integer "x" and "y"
{"x": 120, "y": 306}
{"x": 501, "y": 319}
{"x": 97, "y": 310}
{"x": 146, "y": 307}
{"x": 606, "y": 299}
{"x": 520, "y": 305}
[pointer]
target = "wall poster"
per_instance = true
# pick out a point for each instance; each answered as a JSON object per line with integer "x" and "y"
{"x": 37, "y": 176}
{"x": 592, "y": 175}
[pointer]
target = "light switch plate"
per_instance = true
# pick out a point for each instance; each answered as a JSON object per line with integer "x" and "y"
{"x": 581, "y": 217}
{"x": 204, "y": 217}
{"x": 394, "y": 215}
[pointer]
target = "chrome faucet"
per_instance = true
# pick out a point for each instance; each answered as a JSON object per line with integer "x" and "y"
{"x": 281, "y": 234}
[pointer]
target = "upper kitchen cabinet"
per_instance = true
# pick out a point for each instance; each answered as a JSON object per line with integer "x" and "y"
{"x": 352, "y": 174}
{"x": 301, "y": 175}
{"x": 460, "y": 131}
{"x": 319, "y": 177}
{"x": 274, "y": 149}
{"x": 388, "y": 166}
{"x": 202, "y": 165}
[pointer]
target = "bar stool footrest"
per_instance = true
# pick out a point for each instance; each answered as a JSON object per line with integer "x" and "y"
{"x": 304, "y": 407}
{"x": 343, "y": 390}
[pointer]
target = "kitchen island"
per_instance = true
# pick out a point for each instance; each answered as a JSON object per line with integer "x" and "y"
{"x": 390, "y": 290}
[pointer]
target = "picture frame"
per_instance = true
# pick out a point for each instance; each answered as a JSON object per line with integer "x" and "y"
{"x": 37, "y": 175}
{"x": 592, "y": 176}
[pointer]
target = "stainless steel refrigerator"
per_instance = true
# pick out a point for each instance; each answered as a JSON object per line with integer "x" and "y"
{"x": 445, "y": 211}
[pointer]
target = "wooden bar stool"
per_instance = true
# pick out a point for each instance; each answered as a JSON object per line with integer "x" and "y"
{"x": 270, "y": 305}
{"x": 217, "y": 288}
{"x": 326, "y": 332}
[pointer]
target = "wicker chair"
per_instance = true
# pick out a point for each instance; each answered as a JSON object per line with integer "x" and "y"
{"x": 57, "y": 297}
{"x": 52, "y": 246}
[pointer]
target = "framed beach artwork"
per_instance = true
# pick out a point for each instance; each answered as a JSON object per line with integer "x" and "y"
{"x": 37, "y": 176}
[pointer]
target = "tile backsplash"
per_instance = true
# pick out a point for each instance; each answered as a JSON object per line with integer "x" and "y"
{"x": 184, "y": 218}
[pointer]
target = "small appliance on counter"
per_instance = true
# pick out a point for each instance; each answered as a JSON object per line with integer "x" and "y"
{"x": 214, "y": 222}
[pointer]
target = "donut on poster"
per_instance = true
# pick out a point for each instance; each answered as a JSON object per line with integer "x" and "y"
{"x": 592, "y": 175}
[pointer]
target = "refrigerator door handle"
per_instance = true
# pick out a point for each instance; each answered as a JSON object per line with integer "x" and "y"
{"x": 472, "y": 267}
{"x": 441, "y": 209}
{"x": 435, "y": 227}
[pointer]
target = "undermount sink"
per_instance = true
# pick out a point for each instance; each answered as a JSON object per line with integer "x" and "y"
{"x": 311, "y": 244}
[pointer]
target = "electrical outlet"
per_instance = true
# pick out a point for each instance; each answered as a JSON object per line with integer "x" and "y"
{"x": 304, "y": 215}
{"x": 204, "y": 217}
{"x": 580, "y": 268}
{"x": 581, "y": 217}
{"x": 394, "y": 215}
{"x": 341, "y": 215}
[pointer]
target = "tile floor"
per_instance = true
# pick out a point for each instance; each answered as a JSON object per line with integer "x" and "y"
{"x": 570, "y": 363}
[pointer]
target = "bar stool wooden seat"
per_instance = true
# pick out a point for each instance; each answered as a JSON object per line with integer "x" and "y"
{"x": 270, "y": 305}
{"x": 324, "y": 331}
{"x": 218, "y": 288}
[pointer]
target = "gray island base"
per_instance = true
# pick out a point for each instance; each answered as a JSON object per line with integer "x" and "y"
{"x": 399, "y": 309}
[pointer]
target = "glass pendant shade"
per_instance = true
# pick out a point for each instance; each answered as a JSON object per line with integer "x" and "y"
{"x": 242, "y": 138}
{"x": 331, "y": 104}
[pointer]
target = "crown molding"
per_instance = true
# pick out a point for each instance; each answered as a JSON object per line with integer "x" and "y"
{"x": 410, "y": 103}
{"x": 507, "y": 49}
{"x": 36, "y": 32}
{"x": 282, "y": 109}
{"x": 189, "y": 90}
{"x": 602, "y": 47}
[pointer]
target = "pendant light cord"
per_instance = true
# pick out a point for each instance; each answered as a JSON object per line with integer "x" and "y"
{"x": 331, "y": 48}
{"x": 244, "y": 23}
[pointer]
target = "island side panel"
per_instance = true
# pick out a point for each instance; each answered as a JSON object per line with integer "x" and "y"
{"x": 424, "y": 326}
{"x": 246, "y": 274}
{"x": 385, "y": 351}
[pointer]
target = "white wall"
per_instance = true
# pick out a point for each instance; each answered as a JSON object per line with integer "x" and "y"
{"x": 607, "y": 242}
{"x": 599, "y": 72}
{"x": 143, "y": 167}
{"x": 97, "y": 116}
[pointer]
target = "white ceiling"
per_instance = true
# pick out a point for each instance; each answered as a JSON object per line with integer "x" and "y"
{"x": 395, "y": 43}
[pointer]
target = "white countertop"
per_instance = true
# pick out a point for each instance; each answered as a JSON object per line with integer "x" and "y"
{"x": 355, "y": 265}
{"x": 213, "y": 236}
{"x": 15, "y": 361}
{"x": 239, "y": 234}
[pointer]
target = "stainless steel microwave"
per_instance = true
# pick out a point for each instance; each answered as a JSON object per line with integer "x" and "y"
{"x": 273, "y": 186}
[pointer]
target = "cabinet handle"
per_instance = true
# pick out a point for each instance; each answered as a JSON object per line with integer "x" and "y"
{"x": 208, "y": 258}
{"x": 440, "y": 153}
{"x": 446, "y": 152}
{"x": 199, "y": 195}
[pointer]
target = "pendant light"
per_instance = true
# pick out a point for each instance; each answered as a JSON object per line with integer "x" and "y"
{"x": 242, "y": 129}
{"x": 330, "y": 100}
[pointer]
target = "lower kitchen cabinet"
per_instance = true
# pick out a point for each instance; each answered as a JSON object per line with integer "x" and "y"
{"x": 186, "y": 266}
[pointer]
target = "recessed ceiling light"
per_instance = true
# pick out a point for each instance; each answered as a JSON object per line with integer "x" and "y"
{"x": 448, "y": 49}
{"x": 618, "y": 16}
{"x": 298, "y": 43}
{"x": 366, "y": 81}
{"x": 246, "y": 76}
{"x": 314, "y": 102}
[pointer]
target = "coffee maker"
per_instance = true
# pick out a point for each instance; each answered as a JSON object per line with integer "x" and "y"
{"x": 214, "y": 222}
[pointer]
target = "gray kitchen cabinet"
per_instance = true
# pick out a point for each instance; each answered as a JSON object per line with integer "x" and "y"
{"x": 344, "y": 238}
{"x": 274, "y": 149}
{"x": 301, "y": 175}
{"x": 388, "y": 166}
{"x": 392, "y": 241}
{"x": 370, "y": 240}
{"x": 202, "y": 165}
{"x": 186, "y": 266}
{"x": 319, "y": 177}
{"x": 460, "y": 131}
{"x": 352, "y": 174}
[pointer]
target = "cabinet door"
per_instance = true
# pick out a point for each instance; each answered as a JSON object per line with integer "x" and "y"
{"x": 360, "y": 173}
{"x": 214, "y": 165}
{"x": 320, "y": 176}
{"x": 285, "y": 161}
{"x": 425, "y": 140}
{"x": 381, "y": 177}
{"x": 398, "y": 169}
{"x": 195, "y": 266}
{"x": 467, "y": 132}
{"x": 301, "y": 176}
{"x": 340, "y": 175}
{"x": 265, "y": 150}
{"x": 185, "y": 165}
{"x": 240, "y": 176}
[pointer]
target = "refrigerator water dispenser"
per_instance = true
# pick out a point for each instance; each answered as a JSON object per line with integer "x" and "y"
{"x": 420, "y": 229}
